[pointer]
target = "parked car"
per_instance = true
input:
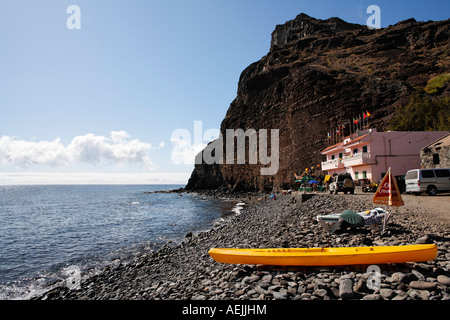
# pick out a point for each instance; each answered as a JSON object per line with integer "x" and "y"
{"x": 401, "y": 183}
{"x": 342, "y": 182}
{"x": 430, "y": 181}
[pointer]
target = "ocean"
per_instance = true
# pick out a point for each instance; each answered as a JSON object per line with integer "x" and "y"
{"x": 48, "y": 228}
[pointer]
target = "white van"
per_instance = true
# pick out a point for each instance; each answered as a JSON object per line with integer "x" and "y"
{"x": 430, "y": 181}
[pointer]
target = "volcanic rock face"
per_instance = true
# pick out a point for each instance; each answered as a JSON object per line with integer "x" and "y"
{"x": 317, "y": 75}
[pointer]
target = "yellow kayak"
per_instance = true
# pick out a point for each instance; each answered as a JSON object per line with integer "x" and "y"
{"x": 326, "y": 256}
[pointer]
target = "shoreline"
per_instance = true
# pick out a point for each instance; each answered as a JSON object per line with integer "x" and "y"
{"x": 41, "y": 280}
{"x": 186, "y": 272}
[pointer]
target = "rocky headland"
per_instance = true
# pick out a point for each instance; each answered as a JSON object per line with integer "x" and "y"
{"x": 317, "y": 75}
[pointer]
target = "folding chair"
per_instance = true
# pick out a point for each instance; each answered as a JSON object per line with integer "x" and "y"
{"x": 371, "y": 218}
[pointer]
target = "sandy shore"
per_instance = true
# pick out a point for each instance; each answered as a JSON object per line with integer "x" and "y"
{"x": 186, "y": 271}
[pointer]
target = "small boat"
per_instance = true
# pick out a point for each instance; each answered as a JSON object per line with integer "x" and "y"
{"x": 326, "y": 256}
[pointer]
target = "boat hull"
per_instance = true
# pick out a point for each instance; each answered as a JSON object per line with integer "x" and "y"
{"x": 326, "y": 256}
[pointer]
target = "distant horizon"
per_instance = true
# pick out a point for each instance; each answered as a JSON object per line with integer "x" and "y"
{"x": 91, "y": 184}
{"x": 92, "y": 178}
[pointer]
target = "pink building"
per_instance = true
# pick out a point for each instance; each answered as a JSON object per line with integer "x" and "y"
{"x": 368, "y": 154}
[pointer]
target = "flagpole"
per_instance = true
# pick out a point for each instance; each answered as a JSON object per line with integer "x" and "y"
{"x": 335, "y": 137}
{"x": 365, "y": 116}
{"x": 367, "y": 119}
{"x": 390, "y": 198}
{"x": 363, "y": 121}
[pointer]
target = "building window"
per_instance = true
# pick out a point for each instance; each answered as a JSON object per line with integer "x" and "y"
{"x": 364, "y": 149}
{"x": 364, "y": 174}
{"x": 436, "y": 159}
{"x": 355, "y": 151}
{"x": 356, "y": 175}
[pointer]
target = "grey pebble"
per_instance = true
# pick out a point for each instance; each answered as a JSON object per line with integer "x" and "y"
{"x": 186, "y": 271}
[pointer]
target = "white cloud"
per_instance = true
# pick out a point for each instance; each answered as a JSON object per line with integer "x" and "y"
{"x": 86, "y": 149}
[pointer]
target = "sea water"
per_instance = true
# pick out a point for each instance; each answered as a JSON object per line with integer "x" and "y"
{"x": 45, "y": 229}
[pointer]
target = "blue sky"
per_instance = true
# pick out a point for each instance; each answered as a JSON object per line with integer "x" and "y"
{"x": 100, "y": 104}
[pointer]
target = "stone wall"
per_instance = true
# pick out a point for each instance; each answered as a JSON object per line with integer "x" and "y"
{"x": 435, "y": 157}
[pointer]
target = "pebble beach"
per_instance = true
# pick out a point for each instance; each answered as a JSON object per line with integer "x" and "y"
{"x": 185, "y": 271}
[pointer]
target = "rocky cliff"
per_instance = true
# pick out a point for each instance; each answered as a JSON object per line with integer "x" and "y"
{"x": 317, "y": 75}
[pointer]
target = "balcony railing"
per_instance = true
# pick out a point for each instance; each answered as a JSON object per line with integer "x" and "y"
{"x": 332, "y": 164}
{"x": 357, "y": 158}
